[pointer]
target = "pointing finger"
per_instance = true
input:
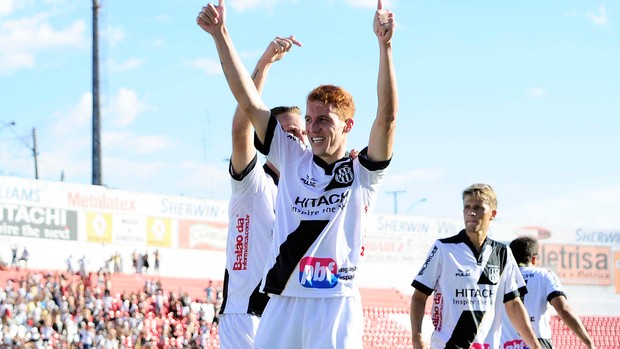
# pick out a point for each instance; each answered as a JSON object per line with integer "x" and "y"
{"x": 292, "y": 37}
{"x": 379, "y": 4}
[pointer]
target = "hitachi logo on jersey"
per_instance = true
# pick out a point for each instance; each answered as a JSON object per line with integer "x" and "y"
{"x": 323, "y": 200}
{"x": 318, "y": 272}
{"x": 515, "y": 344}
{"x": 473, "y": 293}
{"x": 241, "y": 243}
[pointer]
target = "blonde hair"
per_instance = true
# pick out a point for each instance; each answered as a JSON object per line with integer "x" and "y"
{"x": 285, "y": 109}
{"x": 483, "y": 192}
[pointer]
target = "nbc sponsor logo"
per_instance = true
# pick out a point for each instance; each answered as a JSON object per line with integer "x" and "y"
{"x": 318, "y": 272}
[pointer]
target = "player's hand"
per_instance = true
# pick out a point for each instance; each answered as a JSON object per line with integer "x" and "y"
{"x": 278, "y": 48}
{"x": 353, "y": 153}
{"x": 384, "y": 24}
{"x": 211, "y": 18}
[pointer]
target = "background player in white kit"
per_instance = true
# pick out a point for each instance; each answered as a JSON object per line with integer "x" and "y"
{"x": 473, "y": 278}
{"x": 543, "y": 286}
{"x": 323, "y": 200}
{"x": 251, "y": 215}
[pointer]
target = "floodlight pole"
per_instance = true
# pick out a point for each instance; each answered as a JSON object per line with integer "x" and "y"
{"x": 96, "y": 180}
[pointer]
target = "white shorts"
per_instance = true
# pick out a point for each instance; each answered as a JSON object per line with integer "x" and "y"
{"x": 236, "y": 331}
{"x": 311, "y": 323}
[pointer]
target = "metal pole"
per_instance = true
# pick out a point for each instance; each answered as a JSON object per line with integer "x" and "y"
{"x": 96, "y": 115}
{"x": 34, "y": 153}
{"x": 395, "y": 193}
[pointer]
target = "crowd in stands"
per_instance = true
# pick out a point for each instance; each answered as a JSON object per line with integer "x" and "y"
{"x": 67, "y": 310}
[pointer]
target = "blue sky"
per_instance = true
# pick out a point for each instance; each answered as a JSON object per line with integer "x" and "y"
{"x": 522, "y": 95}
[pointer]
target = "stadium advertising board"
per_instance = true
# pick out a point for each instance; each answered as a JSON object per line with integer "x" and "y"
{"x": 159, "y": 232}
{"x": 577, "y": 264}
{"x": 38, "y": 222}
{"x": 617, "y": 271}
{"x": 202, "y": 234}
{"x": 67, "y": 211}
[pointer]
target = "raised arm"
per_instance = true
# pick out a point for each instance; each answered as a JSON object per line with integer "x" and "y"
{"x": 381, "y": 139}
{"x": 242, "y": 132}
{"x": 520, "y": 320}
{"x": 212, "y": 19}
{"x": 571, "y": 320}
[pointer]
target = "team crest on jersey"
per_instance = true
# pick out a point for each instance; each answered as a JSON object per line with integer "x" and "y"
{"x": 492, "y": 272}
{"x": 342, "y": 177}
{"x": 344, "y": 174}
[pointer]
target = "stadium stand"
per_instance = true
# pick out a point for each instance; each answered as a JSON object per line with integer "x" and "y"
{"x": 386, "y": 314}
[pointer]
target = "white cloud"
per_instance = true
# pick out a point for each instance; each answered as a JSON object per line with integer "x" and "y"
{"x": 113, "y": 35}
{"x": 197, "y": 179}
{"x": 35, "y": 33}
{"x": 124, "y": 173}
{"x": 537, "y": 92}
{"x": 600, "y": 18}
{"x": 20, "y": 39}
{"x": 125, "y": 107}
{"x": 130, "y": 64}
{"x": 68, "y": 143}
{"x": 6, "y": 7}
{"x": 590, "y": 209}
{"x": 410, "y": 178}
{"x": 132, "y": 143}
{"x": 158, "y": 42}
{"x": 251, "y": 54}
{"x": 77, "y": 116}
{"x": 162, "y": 18}
{"x": 210, "y": 66}
{"x": 14, "y": 61}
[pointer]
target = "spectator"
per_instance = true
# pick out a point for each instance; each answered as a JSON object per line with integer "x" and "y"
{"x": 209, "y": 292}
{"x": 145, "y": 261}
{"x": 156, "y": 261}
{"x": 23, "y": 260}
{"x": 14, "y": 262}
{"x": 69, "y": 264}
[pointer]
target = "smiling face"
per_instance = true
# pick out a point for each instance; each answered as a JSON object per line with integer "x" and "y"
{"x": 327, "y": 132}
{"x": 329, "y": 117}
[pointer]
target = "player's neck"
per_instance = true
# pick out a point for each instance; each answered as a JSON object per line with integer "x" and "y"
{"x": 477, "y": 238}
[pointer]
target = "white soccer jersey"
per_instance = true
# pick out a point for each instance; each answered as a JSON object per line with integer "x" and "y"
{"x": 543, "y": 285}
{"x": 251, "y": 216}
{"x": 321, "y": 213}
{"x": 470, "y": 289}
